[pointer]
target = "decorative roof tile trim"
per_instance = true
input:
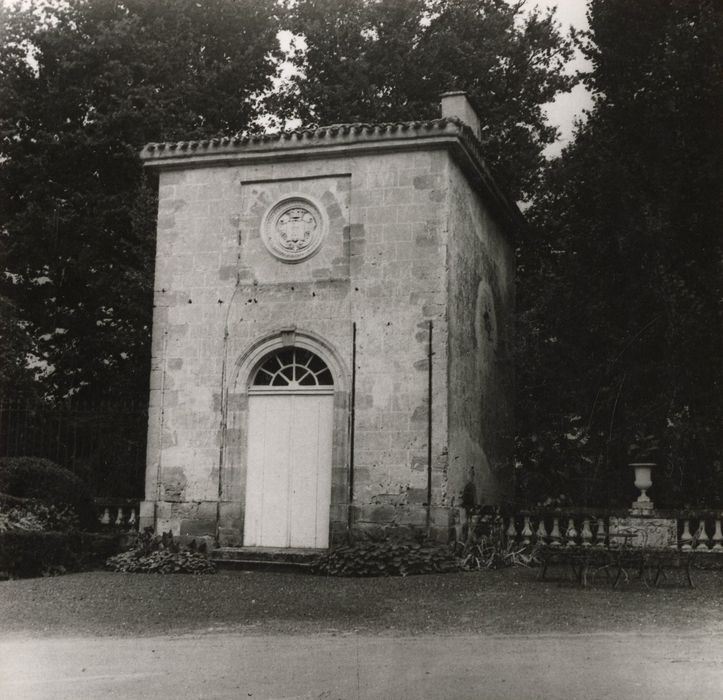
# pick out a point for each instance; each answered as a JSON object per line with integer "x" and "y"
{"x": 471, "y": 159}
{"x": 153, "y": 150}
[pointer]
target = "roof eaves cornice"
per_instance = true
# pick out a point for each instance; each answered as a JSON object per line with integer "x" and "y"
{"x": 339, "y": 140}
{"x": 157, "y": 154}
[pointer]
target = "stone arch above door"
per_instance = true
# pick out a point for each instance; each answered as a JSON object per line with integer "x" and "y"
{"x": 250, "y": 361}
{"x": 242, "y": 391}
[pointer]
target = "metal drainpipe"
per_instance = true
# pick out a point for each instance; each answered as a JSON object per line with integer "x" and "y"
{"x": 352, "y": 416}
{"x": 429, "y": 430}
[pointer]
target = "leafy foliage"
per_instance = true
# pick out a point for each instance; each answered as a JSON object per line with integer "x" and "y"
{"x": 35, "y": 516}
{"x": 620, "y": 286}
{"x": 28, "y": 553}
{"x": 371, "y": 61}
{"x": 161, "y": 562}
{"x": 36, "y": 478}
{"x": 153, "y": 554}
{"x": 486, "y": 546}
{"x": 644, "y": 447}
{"x": 25, "y": 553}
{"x": 388, "y": 558}
{"x": 15, "y": 348}
{"x": 83, "y": 85}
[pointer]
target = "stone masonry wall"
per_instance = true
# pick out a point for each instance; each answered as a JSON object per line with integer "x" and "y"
{"x": 399, "y": 281}
{"x": 481, "y": 323}
{"x": 196, "y": 252}
{"x": 218, "y": 291}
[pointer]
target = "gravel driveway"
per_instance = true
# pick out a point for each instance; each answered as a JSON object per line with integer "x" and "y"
{"x": 509, "y": 601}
{"x": 497, "y": 634}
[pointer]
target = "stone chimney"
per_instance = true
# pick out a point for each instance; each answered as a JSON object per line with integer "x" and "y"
{"x": 456, "y": 104}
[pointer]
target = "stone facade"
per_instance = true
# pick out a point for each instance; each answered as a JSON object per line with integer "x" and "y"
{"x": 309, "y": 240}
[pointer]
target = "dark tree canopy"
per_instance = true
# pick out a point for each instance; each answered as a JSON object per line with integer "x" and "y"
{"x": 620, "y": 287}
{"x": 620, "y": 282}
{"x": 83, "y": 85}
{"x": 375, "y": 61}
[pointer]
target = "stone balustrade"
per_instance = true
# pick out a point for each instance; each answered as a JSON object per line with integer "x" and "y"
{"x": 117, "y": 514}
{"x": 698, "y": 531}
{"x": 701, "y": 532}
{"x": 558, "y": 528}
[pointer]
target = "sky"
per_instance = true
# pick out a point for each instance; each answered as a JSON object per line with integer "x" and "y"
{"x": 568, "y": 107}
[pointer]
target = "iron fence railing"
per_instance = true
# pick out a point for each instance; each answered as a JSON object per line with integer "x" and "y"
{"x": 102, "y": 442}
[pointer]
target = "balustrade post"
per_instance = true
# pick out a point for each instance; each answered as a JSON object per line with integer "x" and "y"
{"x": 541, "y": 531}
{"x": 105, "y": 518}
{"x": 718, "y": 536}
{"x": 586, "y": 533}
{"x": 526, "y": 531}
{"x": 511, "y": 530}
{"x": 600, "y": 533}
{"x": 555, "y": 535}
{"x": 686, "y": 538}
{"x": 702, "y": 537}
{"x": 119, "y": 517}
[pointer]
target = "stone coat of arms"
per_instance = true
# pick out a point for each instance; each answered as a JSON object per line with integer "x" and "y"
{"x": 293, "y": 229}
{"x": 296, "y": 227}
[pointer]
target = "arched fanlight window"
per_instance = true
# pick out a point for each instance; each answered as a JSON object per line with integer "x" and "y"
{"x": 291, "y": 368}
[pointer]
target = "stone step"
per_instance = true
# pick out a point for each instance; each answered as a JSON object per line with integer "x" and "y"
{"x": 271, "y": 558}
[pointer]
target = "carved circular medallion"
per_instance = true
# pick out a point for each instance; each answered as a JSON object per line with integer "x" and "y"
{"x": 293, "y": 229}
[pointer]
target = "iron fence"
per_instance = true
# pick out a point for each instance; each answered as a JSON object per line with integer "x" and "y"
{"x": 104, "y": 443}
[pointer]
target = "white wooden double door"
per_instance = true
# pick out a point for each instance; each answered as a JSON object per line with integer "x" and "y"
{"x": 288, "y": 486}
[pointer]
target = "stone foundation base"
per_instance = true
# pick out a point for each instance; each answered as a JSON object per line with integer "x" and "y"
{"x": 192, "y": 519}
{"x": 223, "y": 522}
{"x": 380, "y": 523}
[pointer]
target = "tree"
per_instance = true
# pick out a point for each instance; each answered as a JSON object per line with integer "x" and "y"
{"x": 620, "y": 286}
{"x": 376, "y": 61}
{"x": 83, "y": 85}
{"x": 15, "y": 350}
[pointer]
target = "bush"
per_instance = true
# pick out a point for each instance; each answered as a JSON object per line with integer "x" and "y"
{"x": 25, "y": 553}
{"x": 37, "y": 516}
{"x": 161, "y": 562}
{"x": 387, "y": 559}
{"x": 487, "y": 546}
{"x": 152, "y": 554}
{"x": 34, "y": 477}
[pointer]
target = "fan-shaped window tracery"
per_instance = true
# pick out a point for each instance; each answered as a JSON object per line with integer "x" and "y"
{"x": 291, "y": 368}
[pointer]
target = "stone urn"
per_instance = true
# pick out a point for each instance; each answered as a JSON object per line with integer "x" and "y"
{"x": 643, "y": 481}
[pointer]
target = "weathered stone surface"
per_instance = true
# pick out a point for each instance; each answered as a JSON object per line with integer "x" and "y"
{"x": 651, "y": 531}
{"x": 407, "y": 241}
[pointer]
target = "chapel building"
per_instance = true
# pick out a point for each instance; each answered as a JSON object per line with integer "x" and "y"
{"x": 332, "y": 333}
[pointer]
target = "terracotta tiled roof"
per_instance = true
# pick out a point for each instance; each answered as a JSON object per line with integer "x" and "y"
{"x": 459, "y": 137}
{"x": 227, "y": 143}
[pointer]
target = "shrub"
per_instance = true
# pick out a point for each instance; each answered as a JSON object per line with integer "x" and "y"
{"x": 34, "y": 477}
{"x": 26, "y": 553}
{"x": 387, "y": 559}
{"x": 487, "y": 546}
{"x": 153, "y": 554}
{"x": 37, "y": 516}
{"x": 161, "y": 562}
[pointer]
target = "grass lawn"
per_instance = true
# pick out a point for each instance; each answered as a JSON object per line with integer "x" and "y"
{"x": 494, "y": 602}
